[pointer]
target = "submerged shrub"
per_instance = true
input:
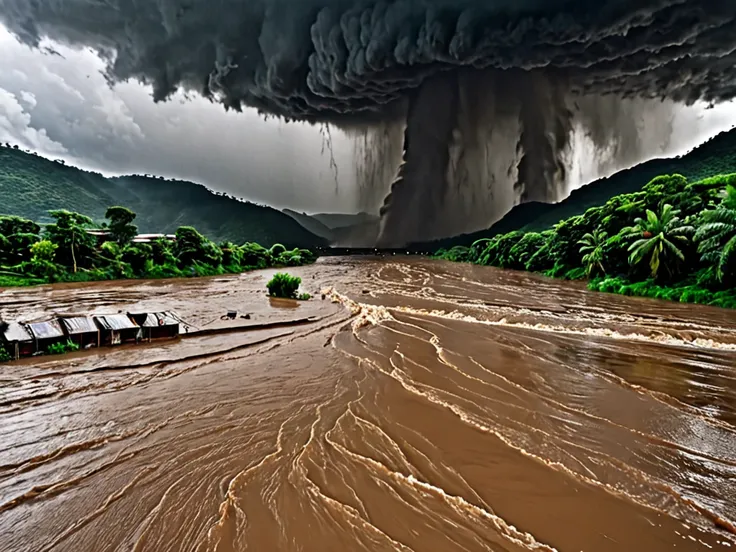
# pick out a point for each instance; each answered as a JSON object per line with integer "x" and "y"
{"x": 284, "y": 285}
{"x": 61, "y": 348}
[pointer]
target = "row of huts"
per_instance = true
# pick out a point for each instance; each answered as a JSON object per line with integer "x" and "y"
{"x": 31, "y": 338}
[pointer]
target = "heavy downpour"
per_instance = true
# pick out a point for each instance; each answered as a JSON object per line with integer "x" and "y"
{"x": 396, "y": 402}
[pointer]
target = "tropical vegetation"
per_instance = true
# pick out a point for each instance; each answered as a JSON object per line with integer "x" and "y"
{"x": 716, "y": 156}
{"x": 285, "y": 286}
{"x": 673, "y": 239}
{"x": 73, "y": 248}
{"x": 31, "y": 186}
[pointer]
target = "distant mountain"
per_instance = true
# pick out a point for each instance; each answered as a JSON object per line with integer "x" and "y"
{"x": 355, "y": 230}
{"x": 31, "y": 185}
{"x": 311, "y": 224}
{"x": 717, "y": 156}
{"x": 336, "y": 220}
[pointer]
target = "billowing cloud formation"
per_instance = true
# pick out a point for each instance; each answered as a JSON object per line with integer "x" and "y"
{"x": 354, "y": 62}
{"x": 328, "y": 59}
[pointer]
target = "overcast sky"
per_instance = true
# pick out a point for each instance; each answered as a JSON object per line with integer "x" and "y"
{"x": 60, "y": 105}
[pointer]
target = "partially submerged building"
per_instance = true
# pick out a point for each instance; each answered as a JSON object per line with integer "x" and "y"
{"x": 82, "y": 330}
{"x": 45, "y": 333}
{"x": 117, "y": 328}
{"x": 16, "y": 340}
{"x": 157, "y": 325}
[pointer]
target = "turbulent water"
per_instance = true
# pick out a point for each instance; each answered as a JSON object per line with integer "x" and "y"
{"x": 419, "y": 406}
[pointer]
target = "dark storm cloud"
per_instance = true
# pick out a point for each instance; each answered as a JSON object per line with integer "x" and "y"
{"x": 348, "y": 60}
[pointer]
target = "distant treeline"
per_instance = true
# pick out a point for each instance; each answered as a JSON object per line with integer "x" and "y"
{"x": 31, "y": 186}
{"x": 671, "y": 240}
{"x": 73, "y": 249}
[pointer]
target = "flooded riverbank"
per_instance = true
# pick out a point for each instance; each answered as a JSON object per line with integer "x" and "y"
{"x": 421, "y": 406}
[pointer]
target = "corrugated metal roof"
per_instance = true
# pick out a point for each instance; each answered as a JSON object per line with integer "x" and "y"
{"x": 155, "y": 319}
{"x": 115, "y": 322}
{"x": 79, "y": 325}
{"x": 168, "y": 318}
{"x": 16, "y": 332}
{"x": 50, "y": 329}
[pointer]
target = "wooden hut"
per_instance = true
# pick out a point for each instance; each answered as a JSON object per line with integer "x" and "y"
{"x": 16, "y": 340}
{"x": 117, "y": 328}
{"x": 45, "y": 333}
{"x": 82, "y": 330}
{"x": 157, "y": 325}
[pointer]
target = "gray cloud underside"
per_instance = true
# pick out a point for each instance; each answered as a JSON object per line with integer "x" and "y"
{"x": 349, "y": 61}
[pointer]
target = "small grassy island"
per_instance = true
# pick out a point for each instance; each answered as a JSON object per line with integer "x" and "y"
{"x": 74, "y": 249}
{"x": 673, "y": 240}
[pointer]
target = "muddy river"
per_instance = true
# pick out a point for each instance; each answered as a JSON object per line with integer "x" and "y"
{"x": 420, "y": 406}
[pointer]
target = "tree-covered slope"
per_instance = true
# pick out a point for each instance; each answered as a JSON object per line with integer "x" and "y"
{"x": 30, "y": 186}
{"x": 717, "y": 156}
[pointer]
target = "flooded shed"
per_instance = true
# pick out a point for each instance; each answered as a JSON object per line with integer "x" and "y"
{"x": 16, "y": 340}
{"x": 157, "y": 325}
{"x": 82, "y": 330}
{"x": 117, "y": 328}
{"x": 46, "y": 333}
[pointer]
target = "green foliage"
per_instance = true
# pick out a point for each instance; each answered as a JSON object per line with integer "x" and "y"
{"x": 17, "y": 235}
{"x": 121, "y": 226}
{"x": 458, "y": 254}
{"x": 31, "y": 186}
{"x": 62, "y": 348}
{"x": 635, "y": 243}
{"x": 716, "y": 236}
{"x": 284, "y": 285}
{"x": 42, "y": 259}
{"x": 591, "y": 247}
{"x": 69, "y": 233}
{"x": 304, "y": 297}
{"x": 5, "y": 355}
{"x": 662, "y": 237}
{"x": 715, "y": 157}
{"x": 70, "y": 253}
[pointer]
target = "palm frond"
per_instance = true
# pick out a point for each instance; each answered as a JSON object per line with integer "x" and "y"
{"x": 673, "y": 249}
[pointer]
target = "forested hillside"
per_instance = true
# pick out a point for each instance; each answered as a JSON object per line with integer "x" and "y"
{"x": 30, "y": 186}
{"x": 717, "y": 156}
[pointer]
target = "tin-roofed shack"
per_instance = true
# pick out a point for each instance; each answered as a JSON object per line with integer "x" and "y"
{"x": 117, "y": 328}
{"x": 16, "y": 340}
{"x": 82, "y": 330}
{"x": 157, "y": 325}
{"x": 46, "y": 333}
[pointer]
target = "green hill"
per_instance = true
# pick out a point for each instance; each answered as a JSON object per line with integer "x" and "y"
{"x": 717, "y": 156}
{"x": 31, "y": 185}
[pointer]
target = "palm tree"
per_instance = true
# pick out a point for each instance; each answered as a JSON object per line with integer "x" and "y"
{"x": 659, "y": 236}
{"x": 716, "y": 236}
{"x": 592, "y": 251}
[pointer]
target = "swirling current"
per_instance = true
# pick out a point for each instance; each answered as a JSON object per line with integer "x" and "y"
{"x": 411, "y": 405}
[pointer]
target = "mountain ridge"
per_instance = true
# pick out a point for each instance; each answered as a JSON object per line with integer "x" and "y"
{"x": 31, "y": 185}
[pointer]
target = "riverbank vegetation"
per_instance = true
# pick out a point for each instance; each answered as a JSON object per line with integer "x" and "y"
{"x": 674, "y": 240}
{"x": 31, "y": 186}
{"x": 72, "y": 249}
{"x": 286, "y": 286}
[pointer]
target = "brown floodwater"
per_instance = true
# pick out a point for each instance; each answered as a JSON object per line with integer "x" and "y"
{"x": 420, "y": 406}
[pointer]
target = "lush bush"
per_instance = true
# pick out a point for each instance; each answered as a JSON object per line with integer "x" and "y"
{"x": 4, "y": 355}
{"x": 672, "y": 240}
{"x": 69, "y": 253}
{"x": 62, "y": 348}
{"x": 284, "y": 285}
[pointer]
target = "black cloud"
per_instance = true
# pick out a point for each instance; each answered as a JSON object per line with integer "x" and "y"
{"x": 338, "y": 59}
